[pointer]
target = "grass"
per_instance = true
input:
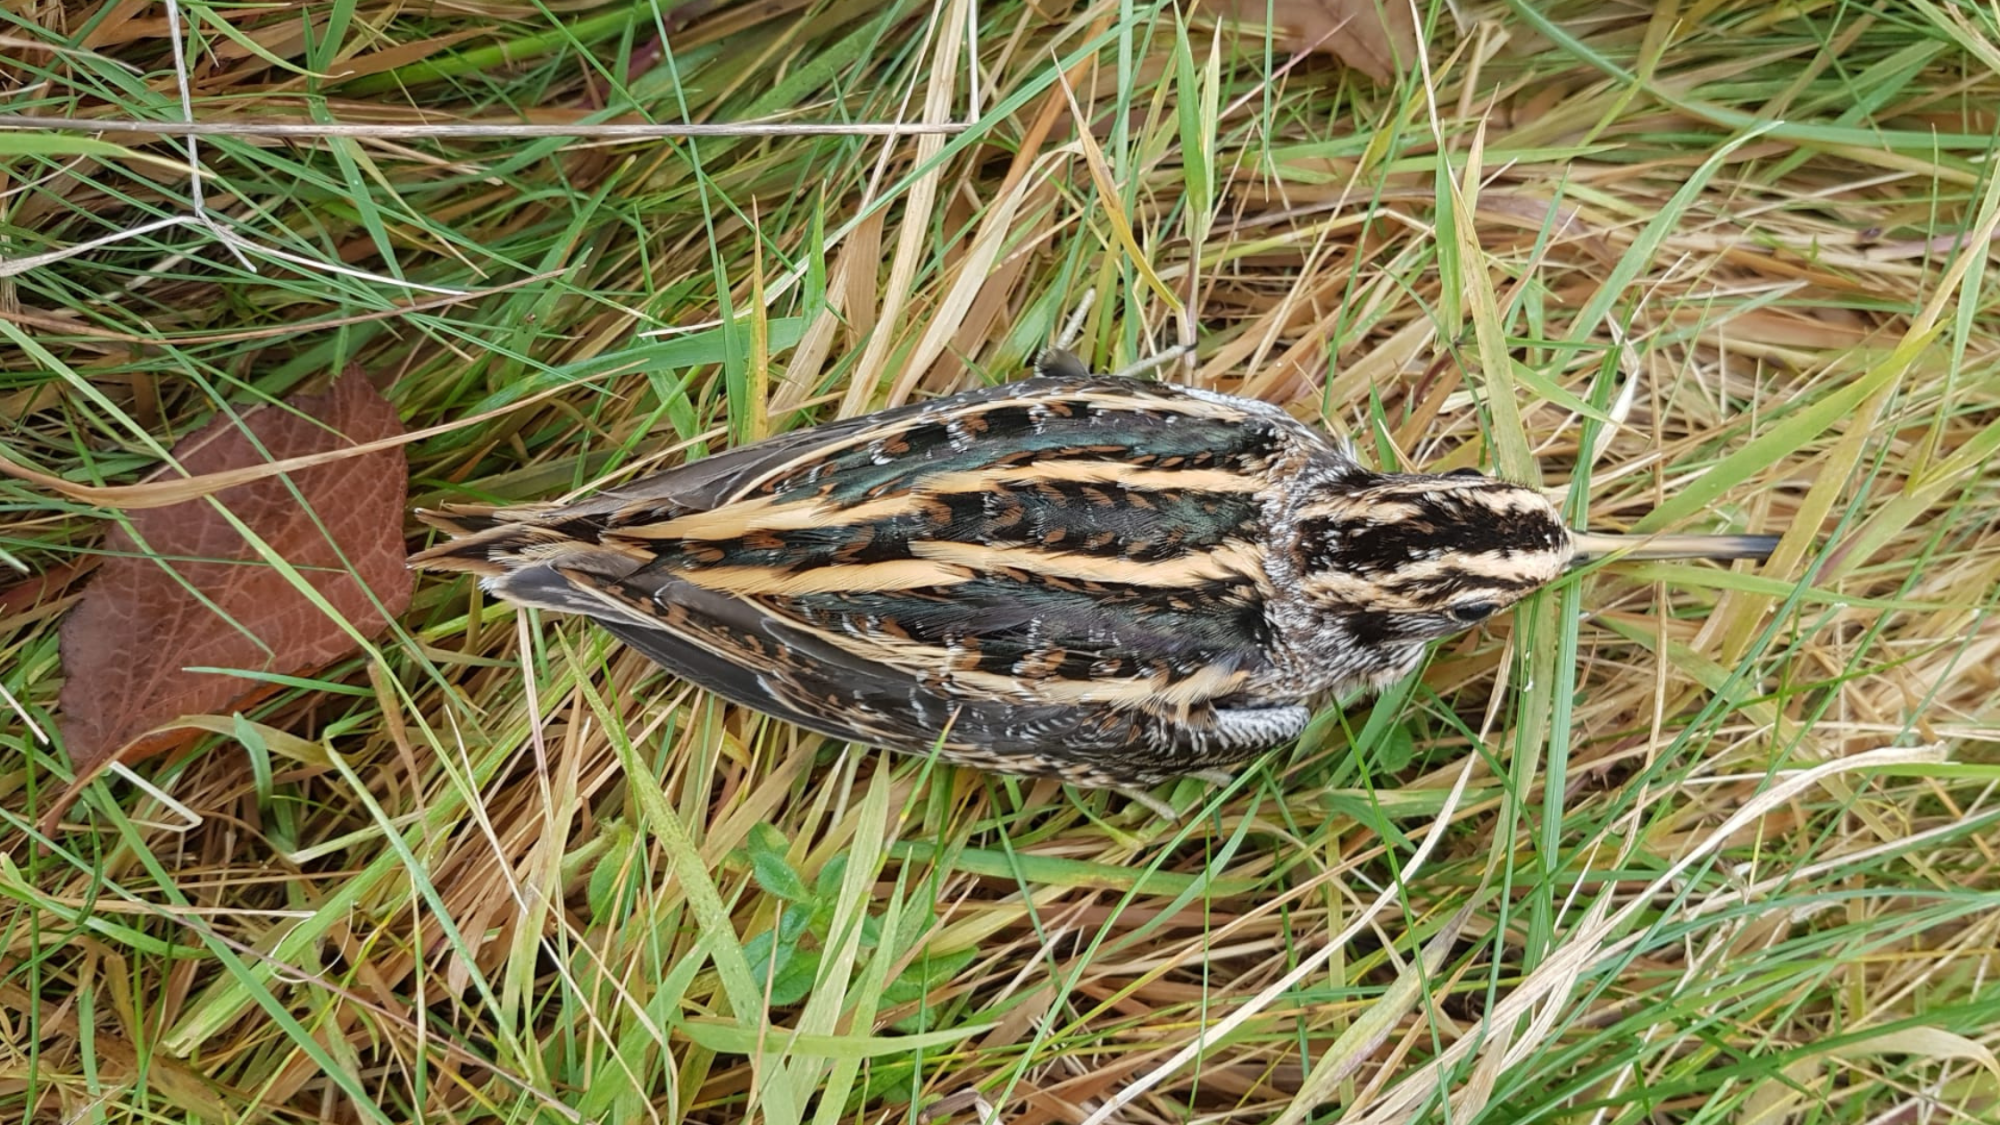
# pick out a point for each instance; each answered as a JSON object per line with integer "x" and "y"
{"x": 1675, "y": 843}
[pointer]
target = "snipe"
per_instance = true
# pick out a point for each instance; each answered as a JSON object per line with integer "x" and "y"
{"x": 1104, "y": 579}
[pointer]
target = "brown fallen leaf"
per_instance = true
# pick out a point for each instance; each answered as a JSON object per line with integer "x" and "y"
{"x": 192, "y": 592}
{"x": 1375, "y": 37}
{"x": 40, "y": 590}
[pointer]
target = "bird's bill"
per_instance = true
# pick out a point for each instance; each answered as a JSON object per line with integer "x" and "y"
{"x": 1591, "y": 546}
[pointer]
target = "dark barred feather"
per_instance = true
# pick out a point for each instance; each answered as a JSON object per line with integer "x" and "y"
{"x": 1100, "y": 579}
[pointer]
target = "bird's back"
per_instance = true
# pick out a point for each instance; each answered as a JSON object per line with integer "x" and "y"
{"x": 1033, "y": 562}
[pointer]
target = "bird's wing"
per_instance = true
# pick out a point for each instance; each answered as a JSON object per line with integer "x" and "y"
{"x": 1028, "y": 557}
{"x": 483, "y": 533}
{"x": 739, "y": 652}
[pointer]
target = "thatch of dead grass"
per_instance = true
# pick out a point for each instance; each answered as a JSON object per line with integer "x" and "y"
{"x": 1676, "y": 843}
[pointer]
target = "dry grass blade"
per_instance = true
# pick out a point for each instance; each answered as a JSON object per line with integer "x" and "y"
{"x": 1308, "y": 966}
{"x": 1719, "y": 841}
{"x": 1598, "y": 941}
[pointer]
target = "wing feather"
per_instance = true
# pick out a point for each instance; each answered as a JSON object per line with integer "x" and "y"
{"x": 1064, "y": 571}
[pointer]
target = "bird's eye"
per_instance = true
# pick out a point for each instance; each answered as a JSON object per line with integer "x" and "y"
{"x": 1466, "y": 472}
{"x": 1471, "y": 613}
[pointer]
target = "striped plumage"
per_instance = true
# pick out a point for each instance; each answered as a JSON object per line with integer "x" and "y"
{"x": 1097, "y": 578}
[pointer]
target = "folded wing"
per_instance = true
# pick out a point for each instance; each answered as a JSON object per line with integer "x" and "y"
{"x": 1070, "y": 560}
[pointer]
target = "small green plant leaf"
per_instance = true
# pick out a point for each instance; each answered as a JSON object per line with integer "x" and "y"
{"x": 771, "y": 869}
{"x": 926, "y": 974}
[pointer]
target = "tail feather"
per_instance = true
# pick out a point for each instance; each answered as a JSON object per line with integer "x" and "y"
{"x": 462, "y": 519}
{"x": 471, "y": 555}
{"x": 494, "y": 542}
{"x": 482, "y": 536}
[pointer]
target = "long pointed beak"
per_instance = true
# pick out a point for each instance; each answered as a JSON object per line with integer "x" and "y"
{"x": 1592, "y": 547}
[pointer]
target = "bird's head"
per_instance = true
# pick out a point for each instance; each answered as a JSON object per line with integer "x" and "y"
{"x": 1405, "y": 558}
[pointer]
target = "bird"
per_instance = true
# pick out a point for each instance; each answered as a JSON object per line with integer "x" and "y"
{"x": 1107, "y": 579}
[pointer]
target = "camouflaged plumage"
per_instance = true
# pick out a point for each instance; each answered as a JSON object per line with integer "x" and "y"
{"x": 1102, "y": 579}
